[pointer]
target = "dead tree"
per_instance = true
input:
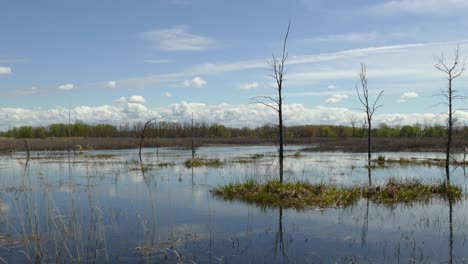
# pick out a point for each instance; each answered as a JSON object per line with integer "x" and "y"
{"x": 452, "y": 71}
{"x": 194, "y": 147}
{"x": 368, "y": 108}
{"x": 276, "y": 103}
{"x": 26, "y": 146}
{"x": 150, "y": 123}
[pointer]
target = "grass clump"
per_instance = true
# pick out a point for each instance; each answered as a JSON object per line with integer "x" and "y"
{"x": 198, "y": 162}
{"x": 409, "y": 191}
{"x": 413, "y": 161}
{"x": 295, "y": 195}
{"x": 165, "y": 164}
{"x": 257, "y": 156}
{"x": 302, "y": 194}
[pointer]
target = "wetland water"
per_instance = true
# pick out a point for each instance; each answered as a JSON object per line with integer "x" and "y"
{"x": 101, "y": 206}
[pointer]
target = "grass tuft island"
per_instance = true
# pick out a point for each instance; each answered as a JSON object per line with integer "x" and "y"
{"x": 198, "y": 162}
{"x": 302, "y": 194}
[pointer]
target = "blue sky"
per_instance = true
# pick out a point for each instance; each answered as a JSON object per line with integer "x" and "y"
{"x": 127, "y": 61}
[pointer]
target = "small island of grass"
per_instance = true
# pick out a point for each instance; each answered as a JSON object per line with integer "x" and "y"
{"x": 302, "y": 194}
{"x": 198, "y": 162}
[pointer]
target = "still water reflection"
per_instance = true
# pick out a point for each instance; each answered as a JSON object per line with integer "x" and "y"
{"x": 104, "y": 206}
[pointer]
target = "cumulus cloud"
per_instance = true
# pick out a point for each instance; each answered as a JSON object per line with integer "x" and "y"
{"x": 331, "y": 86}
{"x": 250, "y": 86}
{"x": 178, "y": 39}
{"x": 136, "y": 99}
{"x": 168, "y": 94}
{"x": 235, "y": 115}
{"x": 111, "y": 84}
{"x": 336, "y": 98}
{"x": 5, "y": 70}
{"x": 66, "y": 87}
{"x": 406, "y": 96}
{"x": 195, "y": 82}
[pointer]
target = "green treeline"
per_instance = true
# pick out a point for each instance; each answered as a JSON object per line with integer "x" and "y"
{"x": 177, "y": 130}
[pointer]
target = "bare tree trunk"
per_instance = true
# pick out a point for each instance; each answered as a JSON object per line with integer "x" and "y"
{"x": 26, "y": 146}
{"x": 369, "y": 129}
{"x": 278, "y": 71}
{"x": 449, "y": 134}
{"x": 147, "y": 125}
{"x": 281, "y": 139}
{"x": 450, "y": 200}
{"x": 368, "y": 108}
{"x": 193, "y": 147}
{"x": 452, "y": 71}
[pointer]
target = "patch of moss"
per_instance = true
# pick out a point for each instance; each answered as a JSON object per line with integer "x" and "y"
{"x": 198, "y": 162}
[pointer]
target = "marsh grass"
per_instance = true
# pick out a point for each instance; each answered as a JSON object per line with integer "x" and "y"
{"x": 198, "y": 162}
{"x": 165, "y": 164}
{"x": 381, "y": 161}
{"x": 295, "y": 195}
{"x": 302, "y": 194}
{"x": 410, "y": 191}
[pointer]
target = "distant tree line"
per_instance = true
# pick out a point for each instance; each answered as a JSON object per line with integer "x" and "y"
{"x": 205, "y": 130}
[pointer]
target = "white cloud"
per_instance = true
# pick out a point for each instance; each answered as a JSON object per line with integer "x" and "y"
{"x": 122, "y": 100}
{"x": 348, "y": 37}
{"x": 136, "y": 99}
{"x": 440, "y": 7}
{"x": 111, "y": 84}
{"x": 168, "y": 94}
{"x": 406, "y": 96}
{"x": 218, "y": 68}
{"x": 331, "y": 86}
{"x": 340, "y": 74}
{"x": 236, "y": 115}
{"x": 5, "y": 70}
{"x": 178, "y": 39}
{"x": 195, "y": 82}
{"x": 66, "y": 87}
{"x": 336, "y": 98}
{"x": 26, "y": 92}
{"x": 250, "y": 86}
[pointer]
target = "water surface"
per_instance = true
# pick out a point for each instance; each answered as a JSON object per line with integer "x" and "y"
{"x": 101, "y": 206}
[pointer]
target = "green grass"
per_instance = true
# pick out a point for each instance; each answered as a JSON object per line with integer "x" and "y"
{"x": 296, "y": 195}
{"x": 198, "y": 162}
{"x": 302, "y": 194}
{"x": 409, "y": 191}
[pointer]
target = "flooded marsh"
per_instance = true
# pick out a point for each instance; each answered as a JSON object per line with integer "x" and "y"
{"x": 106, "y": 206}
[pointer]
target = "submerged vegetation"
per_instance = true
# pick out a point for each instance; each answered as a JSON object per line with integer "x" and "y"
{"x": 303, "y": 194}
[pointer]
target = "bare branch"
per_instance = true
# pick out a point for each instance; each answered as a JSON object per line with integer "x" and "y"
{"x": 257, "y": 101}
